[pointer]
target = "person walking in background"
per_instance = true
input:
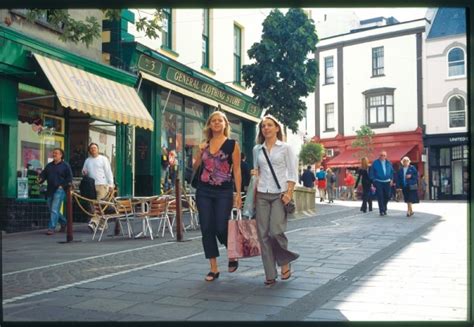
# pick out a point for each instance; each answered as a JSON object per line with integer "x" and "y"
{"x": 381, "y": 174}
{"x": 220, "y": 159}
{"x": 98, "y": 167}
{"x": 330, "y": 185}
{"x": 308, "y": 177}
{"x": 407, "y": 180}
{"x": 321, "y": 176}
{"x": 363, "y": 176}
{"x": 245, "y": 172}
{"x": 349, "y": 182}
{"x": 424, "y": 187}
{"x": 274, "y": 191}
{"x": 58, "y": 174}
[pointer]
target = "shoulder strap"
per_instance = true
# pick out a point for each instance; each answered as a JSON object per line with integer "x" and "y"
{"x": 271, "y": 167}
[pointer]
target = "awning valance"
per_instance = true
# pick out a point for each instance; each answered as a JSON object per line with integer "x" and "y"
{"x": 349, "y": 158}
{"x": 100, "y": 97}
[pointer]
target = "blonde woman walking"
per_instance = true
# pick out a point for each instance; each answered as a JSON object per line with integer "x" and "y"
{"x": 220, "y": 159}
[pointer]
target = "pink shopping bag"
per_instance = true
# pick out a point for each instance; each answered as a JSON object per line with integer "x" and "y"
{"x": 242, "y": 240}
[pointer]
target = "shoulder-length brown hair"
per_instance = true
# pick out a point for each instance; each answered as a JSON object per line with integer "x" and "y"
{"x": 261, "y": 138}
{"x": 364, "y": 163}
{"x": 207, "y": 129}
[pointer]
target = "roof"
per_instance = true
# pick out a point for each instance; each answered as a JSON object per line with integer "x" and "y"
{"x": 448, "y": 21}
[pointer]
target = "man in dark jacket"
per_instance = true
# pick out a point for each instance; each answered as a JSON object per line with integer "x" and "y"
{"x": 59, "y": 176}
{"x": 381, "y": 175}
{"x": 308, "y": 177}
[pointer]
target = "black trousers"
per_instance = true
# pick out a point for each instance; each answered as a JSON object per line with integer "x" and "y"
{"x": 214, "y": 208}
{"x": 366, "y": 199}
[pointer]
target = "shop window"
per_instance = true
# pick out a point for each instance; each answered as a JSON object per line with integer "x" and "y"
{"x": 456, "y": 62}
{"x": 193, "y": 108}
{"x": 444, "y": 157}
{"x": 237, "y": 54}
{"x": 235, "y": 127}
{"x": 40, "y": 129}
{"x": 379, "y": 107}
{"x": 377, "y": 61}
{"x": 457, "y": 112}
{"x": 329, "y": 70}
{"x": 205, "y": 38}
{"x": 166, "y": 32}
{"x": 329, "y": 114}
{"x": 172, "y": 148}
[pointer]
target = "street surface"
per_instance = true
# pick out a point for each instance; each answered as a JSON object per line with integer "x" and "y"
{"x": 353, "y": 267}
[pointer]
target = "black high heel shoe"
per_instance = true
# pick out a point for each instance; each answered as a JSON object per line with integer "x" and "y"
{"x": 213, "y": 276}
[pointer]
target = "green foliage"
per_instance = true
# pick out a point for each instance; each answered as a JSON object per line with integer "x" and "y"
{"x": 311, "y": 153}
{"x": 90, "y": 29}
{"x": 364, "y": 142}
{"x": 282, "y": 72}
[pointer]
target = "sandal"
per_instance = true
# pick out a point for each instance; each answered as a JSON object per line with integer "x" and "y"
{"x": 233, "y": 265}
{"x": 287, "y": 274}
{"x": 269, "y": 282}
{"x": 212, "y": 275}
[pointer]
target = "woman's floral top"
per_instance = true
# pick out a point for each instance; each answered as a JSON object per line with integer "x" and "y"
{"x": 217, "y": 168}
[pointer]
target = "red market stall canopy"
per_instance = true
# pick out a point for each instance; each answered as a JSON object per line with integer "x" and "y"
{"x": 349, "y": 158}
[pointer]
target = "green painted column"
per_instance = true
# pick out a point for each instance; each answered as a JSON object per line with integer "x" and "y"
{"x": 124, "y": 160}
{"x": 156, "y": 141}
{"x": 8, "y": 137}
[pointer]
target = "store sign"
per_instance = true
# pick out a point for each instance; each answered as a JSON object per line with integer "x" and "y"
{"x": 458, "y": 139}
{"x": 149, "y": 65}
{"x": 197, "y": 86}
{"x": 177, "y": 77}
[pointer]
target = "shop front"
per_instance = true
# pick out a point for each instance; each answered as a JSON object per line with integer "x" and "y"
{"x": 180, "y": 100}
{"x": 52, "y": 98}
{"x": 448, "y": 166}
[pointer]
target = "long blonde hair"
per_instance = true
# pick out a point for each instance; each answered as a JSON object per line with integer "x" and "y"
{"x": 261, "y": 138}
{"x": 207, "y": 130}
{"x": 364, "y": 163}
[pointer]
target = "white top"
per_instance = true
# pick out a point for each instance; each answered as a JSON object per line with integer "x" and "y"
{"x": 99, "y": 169}
{"x": 284, "y": 162}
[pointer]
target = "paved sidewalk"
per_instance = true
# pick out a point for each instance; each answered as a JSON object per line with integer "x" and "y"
{"x": 353, "y": 266}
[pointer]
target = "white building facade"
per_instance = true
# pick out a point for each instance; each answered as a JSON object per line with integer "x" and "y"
{"x": 371, "y": 76}
{"x": 445, "y": 110}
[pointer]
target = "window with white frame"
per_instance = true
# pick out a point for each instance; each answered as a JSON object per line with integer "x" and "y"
{"x": 379, "y": 107}
{"x": 237, "y": 54}
{"x": 329, "y": 70}
{"x": 166, "y": 33}
{"x": 377, "y": 61}
{"x": 329, "y": 116}
{"x": 457, "y": 112}
{"x": 456, "y": 62}
{"x": 205, "y": 38}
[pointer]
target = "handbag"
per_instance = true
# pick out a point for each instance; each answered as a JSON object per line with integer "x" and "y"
{"x": 290, "y": 207}
{"x": 413, "y": 187}
{"x": 196, "y": 176}
{"x": 248, "y": 209}
{"x": 242, "y": 239}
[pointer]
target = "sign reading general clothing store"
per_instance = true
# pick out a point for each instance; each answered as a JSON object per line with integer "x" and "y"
{"x": 182, "y": 79}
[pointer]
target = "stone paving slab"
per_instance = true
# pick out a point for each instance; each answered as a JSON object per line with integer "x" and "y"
{"x": 331, "y": 281}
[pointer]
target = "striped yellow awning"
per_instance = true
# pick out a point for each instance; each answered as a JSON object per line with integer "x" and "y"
{"x": 95, "y": 95}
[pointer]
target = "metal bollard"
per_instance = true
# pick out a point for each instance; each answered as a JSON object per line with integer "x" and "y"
{"x": 179, "y": 225}
{"x": 69, "y": 236}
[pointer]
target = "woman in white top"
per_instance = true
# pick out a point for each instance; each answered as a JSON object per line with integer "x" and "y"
{"x": 270, "y": 199}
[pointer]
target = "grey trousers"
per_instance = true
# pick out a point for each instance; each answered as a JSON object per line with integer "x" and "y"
{"x": 271, "y": 226}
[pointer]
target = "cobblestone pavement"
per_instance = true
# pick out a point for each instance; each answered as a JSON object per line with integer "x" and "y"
{"x": 353, "y": 266}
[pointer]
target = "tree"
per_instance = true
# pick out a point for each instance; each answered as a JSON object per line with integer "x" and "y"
{"x": 363, "y": 142}
{"x": 90, "y": 29}
{"x": 282, "y": 72}
{"x": 311, "y": 153}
